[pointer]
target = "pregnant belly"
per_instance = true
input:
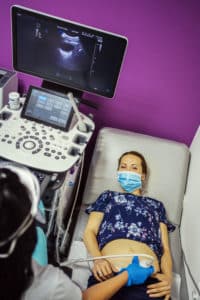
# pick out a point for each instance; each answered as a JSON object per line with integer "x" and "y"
{"x": 125, "y": 246}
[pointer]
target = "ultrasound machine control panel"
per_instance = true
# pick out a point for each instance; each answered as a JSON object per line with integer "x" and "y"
{"x": 42, "y": 133}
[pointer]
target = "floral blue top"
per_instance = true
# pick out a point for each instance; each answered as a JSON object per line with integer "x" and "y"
{"x": 132, "y": 217}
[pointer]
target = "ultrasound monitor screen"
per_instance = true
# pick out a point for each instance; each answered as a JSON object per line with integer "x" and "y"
{"x": 66, "y": 53}
{"x": 47, "y": 107}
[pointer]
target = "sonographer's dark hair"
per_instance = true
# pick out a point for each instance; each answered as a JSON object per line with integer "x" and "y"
{"x": 15, "y": 271}
{"x": 143, "y": 161}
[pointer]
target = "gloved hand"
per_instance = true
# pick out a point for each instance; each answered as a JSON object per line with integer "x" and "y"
{"x": 136, "y": 273}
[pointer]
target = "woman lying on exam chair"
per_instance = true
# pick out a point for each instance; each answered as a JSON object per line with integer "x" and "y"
{"x": 22, "y": 278}
{"x": 128, "y": 222}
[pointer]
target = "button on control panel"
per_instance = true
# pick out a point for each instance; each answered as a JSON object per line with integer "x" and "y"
{"x": 39, "y": 146}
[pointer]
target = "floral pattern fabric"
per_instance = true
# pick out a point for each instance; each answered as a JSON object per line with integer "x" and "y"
{"x": 127, "y": 216}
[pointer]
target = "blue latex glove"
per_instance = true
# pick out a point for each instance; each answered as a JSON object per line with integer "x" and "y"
{"x": 136, "y": 273}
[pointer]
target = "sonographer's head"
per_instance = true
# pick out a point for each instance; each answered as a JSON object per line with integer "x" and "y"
{"x": 19, "y": 195}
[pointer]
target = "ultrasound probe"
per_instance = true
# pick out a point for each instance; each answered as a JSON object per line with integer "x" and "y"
{"x": 145, "y": 263}
{"x": 81, "y": 125}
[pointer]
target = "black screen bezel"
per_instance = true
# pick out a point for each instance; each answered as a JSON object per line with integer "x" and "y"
{"x": 121, "y": 40}
{"x": 28, "y": 97}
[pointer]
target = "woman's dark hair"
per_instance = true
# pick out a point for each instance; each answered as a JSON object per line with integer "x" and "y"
{"x": 144, "y": 164}
{"x": 15, "y": 271}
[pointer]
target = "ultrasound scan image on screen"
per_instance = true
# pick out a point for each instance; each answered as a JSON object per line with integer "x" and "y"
{"x": 49, "y": 108}
{"x": 66, "y": 53}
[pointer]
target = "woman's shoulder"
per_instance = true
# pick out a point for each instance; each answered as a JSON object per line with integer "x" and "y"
{"x": 107, "y": 196}
{"x": 153, "y": 201}
{"x": 110, "y": 194}
{"x": 107, "y": 192}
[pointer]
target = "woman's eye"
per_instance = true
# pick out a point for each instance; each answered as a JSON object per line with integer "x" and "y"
{"x": 122, "y": 167}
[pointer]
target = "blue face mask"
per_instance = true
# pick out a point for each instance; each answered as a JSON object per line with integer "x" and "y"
{"x": 129, "y": 181}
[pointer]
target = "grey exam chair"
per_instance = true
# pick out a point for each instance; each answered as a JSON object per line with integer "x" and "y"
{"x": 168, "y": 163}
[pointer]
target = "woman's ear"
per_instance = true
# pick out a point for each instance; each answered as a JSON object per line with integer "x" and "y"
{"x": 143, "y": 177}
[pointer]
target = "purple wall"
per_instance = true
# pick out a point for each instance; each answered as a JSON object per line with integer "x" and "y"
{"x": 158, "y": 90}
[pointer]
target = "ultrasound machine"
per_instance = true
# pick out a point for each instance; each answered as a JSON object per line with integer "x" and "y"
{"x": 48, "y": 133}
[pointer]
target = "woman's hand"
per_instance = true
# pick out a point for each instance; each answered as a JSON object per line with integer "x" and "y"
{"x": 160, "y": 289}
{"x": 102, "y": 269}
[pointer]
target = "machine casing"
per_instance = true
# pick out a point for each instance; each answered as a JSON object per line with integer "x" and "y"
{"x": 8, "y": 83}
